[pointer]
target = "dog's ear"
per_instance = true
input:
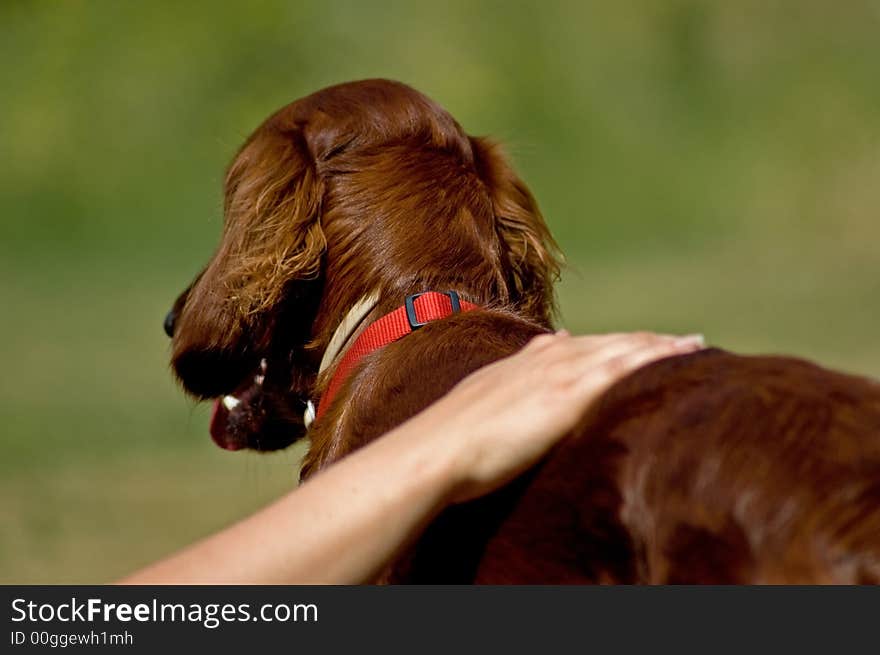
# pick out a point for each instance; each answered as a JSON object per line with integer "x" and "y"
{"x": 272, "y": 235}
{"x": 532, "y": 256}
{"x": 271, "y": 249}
{"x": 273, "y": 232}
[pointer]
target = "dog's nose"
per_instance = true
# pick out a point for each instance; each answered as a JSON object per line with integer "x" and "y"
{"x": 169, "y": 323}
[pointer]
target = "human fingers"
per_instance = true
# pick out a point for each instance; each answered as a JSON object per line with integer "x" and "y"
{"x": 563, "y": 344}
{"x": 566, "y": 359}
{"x": 614, "y": 345}
{"x": 618, "y": 363}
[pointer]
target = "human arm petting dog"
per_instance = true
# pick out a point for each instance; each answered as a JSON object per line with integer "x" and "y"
{"x": 346, "y": 523}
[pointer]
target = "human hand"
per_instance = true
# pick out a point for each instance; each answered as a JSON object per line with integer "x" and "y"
{"x": 502, "y": 418}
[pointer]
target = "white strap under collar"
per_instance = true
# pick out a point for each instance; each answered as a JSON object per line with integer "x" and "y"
{"x": 340, "y": 339}
{"x": 346, "y": 328}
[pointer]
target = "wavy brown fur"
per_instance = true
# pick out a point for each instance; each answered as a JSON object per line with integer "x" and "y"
{"x": 711, "y": 467}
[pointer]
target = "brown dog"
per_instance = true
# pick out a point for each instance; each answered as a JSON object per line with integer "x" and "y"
{"x": 710, "y": 467}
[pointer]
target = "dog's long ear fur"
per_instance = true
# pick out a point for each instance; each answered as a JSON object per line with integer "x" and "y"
{"x": 272, "y": 235}
{"x": 273, "y": 232}
{"x": 533, "y": 258}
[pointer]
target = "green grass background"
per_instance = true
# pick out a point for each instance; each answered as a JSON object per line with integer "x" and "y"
{"x": 707, "y": 167}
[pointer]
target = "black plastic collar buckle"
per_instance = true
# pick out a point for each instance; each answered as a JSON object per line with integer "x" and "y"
{"x": 411, "y": 308}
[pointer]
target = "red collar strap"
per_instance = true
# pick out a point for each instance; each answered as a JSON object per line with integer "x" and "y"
{"x": 419, "y": 309}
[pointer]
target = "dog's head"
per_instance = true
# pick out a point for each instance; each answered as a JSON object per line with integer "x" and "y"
{"x": 366, "y": 187}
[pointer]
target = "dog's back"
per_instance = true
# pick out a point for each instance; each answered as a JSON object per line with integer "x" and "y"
{"x": 706, "y": 468}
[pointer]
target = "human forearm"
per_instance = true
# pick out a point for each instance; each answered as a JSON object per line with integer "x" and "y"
{"x": 340, "y": 527}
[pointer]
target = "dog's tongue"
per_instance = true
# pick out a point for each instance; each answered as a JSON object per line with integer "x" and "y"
{"x": 232, "y": 419}
{"x": 219, "y": 427}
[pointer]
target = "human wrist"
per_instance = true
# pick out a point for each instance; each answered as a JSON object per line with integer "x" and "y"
{"x": 442, "y": 458}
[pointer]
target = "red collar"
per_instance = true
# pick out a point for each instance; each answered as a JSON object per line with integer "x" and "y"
{"x": 419, "y": 309}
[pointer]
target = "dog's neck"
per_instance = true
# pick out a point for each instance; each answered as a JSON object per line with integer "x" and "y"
{"x": 355, "y": 336}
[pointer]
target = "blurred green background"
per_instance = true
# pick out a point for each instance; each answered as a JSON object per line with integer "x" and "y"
{"x": 707, "y": 167}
